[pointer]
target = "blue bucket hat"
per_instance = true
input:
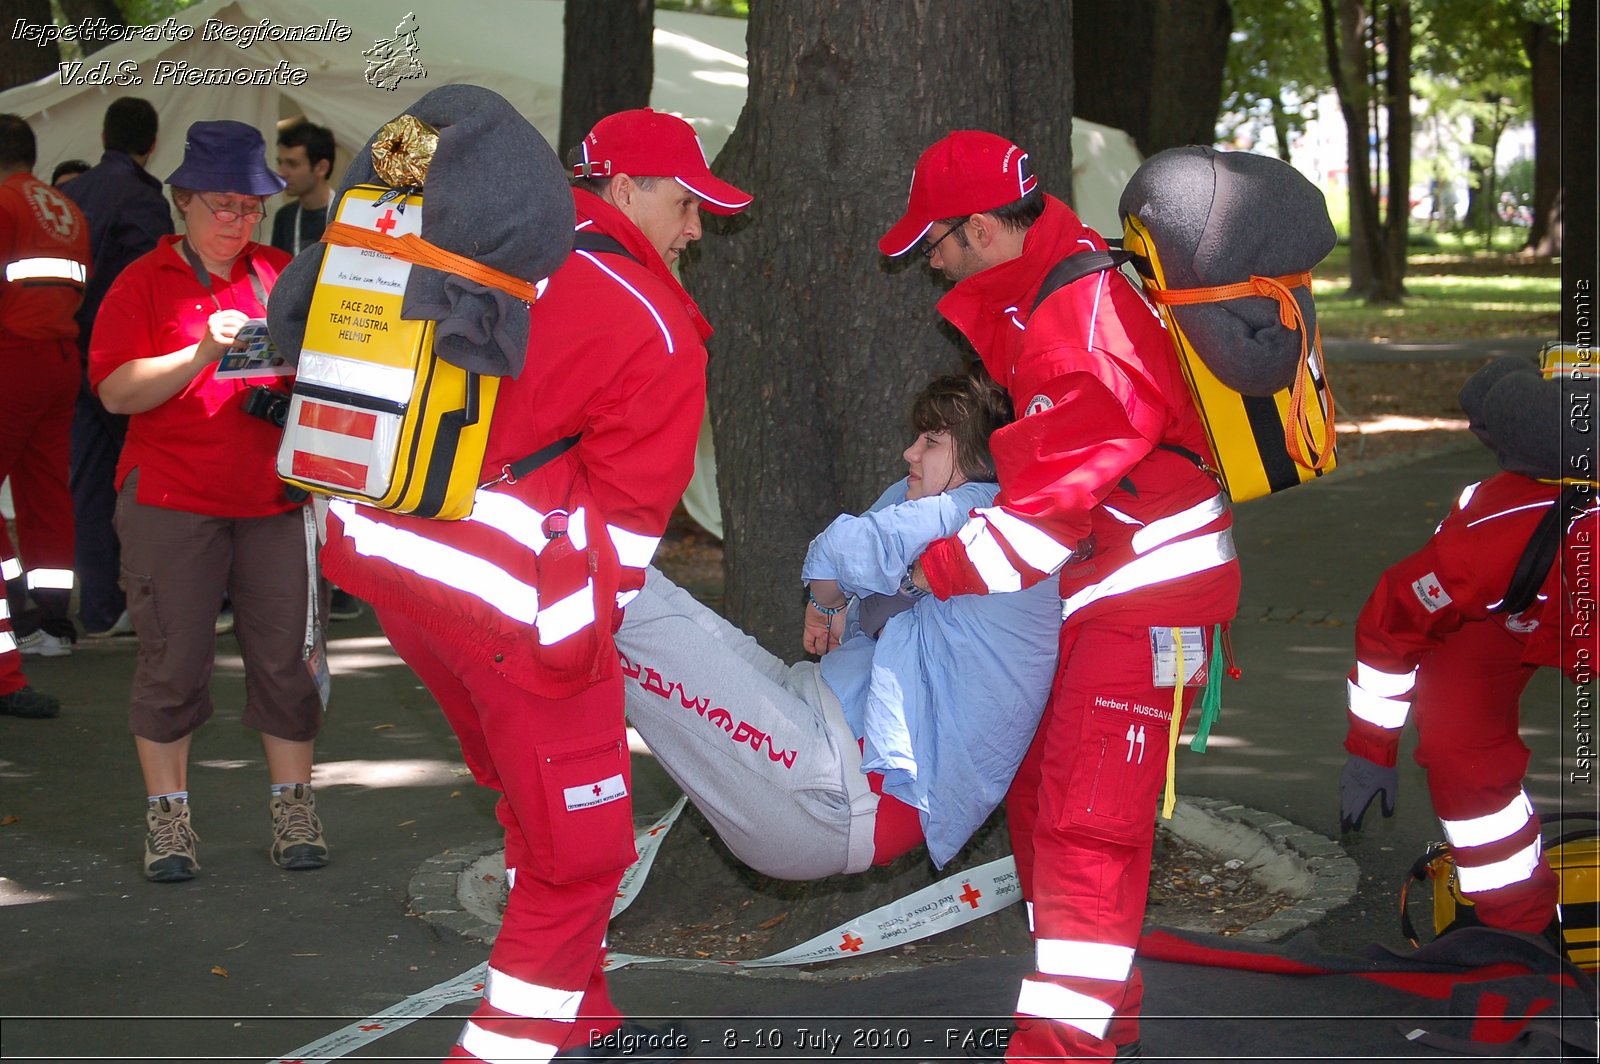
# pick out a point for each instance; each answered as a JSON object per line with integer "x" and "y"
{"x": 226, "y": 156}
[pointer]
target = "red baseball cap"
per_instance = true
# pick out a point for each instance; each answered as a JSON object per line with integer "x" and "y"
{"x": 967, "y": 172}
{"x": 646, "y": 143}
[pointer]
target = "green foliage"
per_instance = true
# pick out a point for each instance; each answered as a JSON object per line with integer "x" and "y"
{"x": 145, "y": 12}
{"x": 1275, "y": 68}
{"x": 724, "y": 8}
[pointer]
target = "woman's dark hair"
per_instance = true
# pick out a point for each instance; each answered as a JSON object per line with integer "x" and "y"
{"x": 969, "y": 406}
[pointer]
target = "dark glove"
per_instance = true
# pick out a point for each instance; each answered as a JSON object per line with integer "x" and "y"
{"x": 877, "y": 609}
{"x": 1361, "y": 782}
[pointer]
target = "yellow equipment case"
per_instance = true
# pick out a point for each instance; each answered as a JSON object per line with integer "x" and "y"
{"x": 1574, "y": 856}
{"x": 375, "y": 415}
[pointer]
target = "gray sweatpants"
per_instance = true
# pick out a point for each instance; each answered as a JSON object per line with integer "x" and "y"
{"x": 760, "y": 747}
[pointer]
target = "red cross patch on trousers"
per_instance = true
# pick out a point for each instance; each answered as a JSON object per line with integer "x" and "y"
{"x": 589, "y": 795}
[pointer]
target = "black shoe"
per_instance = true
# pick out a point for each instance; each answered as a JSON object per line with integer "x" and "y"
{"x": 634, "y": 1041}
{"x": 343, "y": 606}
{"x": 31, "y": 704}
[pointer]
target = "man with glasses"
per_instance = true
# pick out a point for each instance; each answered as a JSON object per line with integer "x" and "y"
{"x": 1103, "y": 480}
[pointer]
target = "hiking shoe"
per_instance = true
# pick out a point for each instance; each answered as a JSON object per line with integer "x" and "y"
{"x": 44, "y": 645}
{"x": 122, "y": 626}
{"x": 297, "y": 842}
{"x": 169, "y": 843}
{"x": 343, "y": 606}
{"x": 28, "y": 703}
{"x": 634, "y": 1041}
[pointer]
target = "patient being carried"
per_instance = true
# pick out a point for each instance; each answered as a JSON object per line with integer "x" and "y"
{"x": 912, "y": 725}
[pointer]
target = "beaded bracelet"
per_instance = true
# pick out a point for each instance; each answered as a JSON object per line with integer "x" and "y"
{"x": 826, "y": 611}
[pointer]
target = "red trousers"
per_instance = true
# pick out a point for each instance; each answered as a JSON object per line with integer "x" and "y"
{"x": 1466, "y": 709}
{"x": 561, "y": 767}
{"x": 38, "y": 387}
{"x": 1082, "y": 812}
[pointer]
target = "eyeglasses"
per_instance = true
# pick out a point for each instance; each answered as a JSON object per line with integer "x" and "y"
{"x": 928, "y": 247}
{"x": 226, "y": 216}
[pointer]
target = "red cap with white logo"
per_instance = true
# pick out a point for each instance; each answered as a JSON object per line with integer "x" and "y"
{"x": 967, "y": 172}
{"x": 647, "y": 143}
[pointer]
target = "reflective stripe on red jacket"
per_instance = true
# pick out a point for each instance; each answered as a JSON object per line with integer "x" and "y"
{"x": 1086, "y": 487}
{"x": 44, "y": 261}
{"x": 1460, "y": 576}
{"x": 616, "y": 355}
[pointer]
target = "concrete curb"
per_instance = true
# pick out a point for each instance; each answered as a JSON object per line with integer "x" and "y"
{"x": 459, "y": 890}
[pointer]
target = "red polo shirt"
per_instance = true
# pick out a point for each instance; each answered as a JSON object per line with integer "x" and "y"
{"x": 198, "y": 451}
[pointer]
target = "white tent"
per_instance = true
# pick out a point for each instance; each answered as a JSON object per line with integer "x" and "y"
{"x": 511, "y": 46}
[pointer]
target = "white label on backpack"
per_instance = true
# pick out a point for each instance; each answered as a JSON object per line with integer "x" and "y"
{"x": 371, "y": 270}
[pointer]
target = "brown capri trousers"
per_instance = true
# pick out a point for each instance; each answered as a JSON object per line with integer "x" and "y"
{"x": 176, "y": 567}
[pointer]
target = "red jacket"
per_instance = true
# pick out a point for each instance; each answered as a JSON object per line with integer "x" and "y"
{"x": 1085, "y": 488}
{"x": 1460, "y": 577}
{"x": 616, "y": 355}
{"x": 44, "y": 262}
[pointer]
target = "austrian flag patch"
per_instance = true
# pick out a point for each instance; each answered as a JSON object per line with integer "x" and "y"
{"x": 1430, "y": 593}
{"x": 589, "y": 795}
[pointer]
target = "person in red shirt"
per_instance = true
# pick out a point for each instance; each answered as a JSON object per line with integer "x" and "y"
{"x": 44, "y": 264}
{"x": 1455, "y": 631}
{"x": 1103, "y": 486}
{"x": 508, "y": 616}
{"x": 200, "y": 510}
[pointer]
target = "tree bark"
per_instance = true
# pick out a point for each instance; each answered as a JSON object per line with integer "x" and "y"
{"x": 1546, "y": 55}
{"x": 1397, "y": 108}
{"x": 1153, "y": 68}
{"x": 1580, "y": 162}
{"x": 1377, "y": 231}
{"x": 608, "y": 64}
{"x": 79, "y": 10}
{"x": 822, "y": 342}
{"x": 23, "y": 61}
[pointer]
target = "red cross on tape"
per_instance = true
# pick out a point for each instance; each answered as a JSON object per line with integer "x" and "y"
{"x": 370, "y": 1027}
{"x": 386, "y": 223}
{"x": 597, "y": 790}
{"x": 851, "y": 943}
{"x": 658, "y": 829}
{"x": 477, "y": 987}
{"x": 969, "y": 895}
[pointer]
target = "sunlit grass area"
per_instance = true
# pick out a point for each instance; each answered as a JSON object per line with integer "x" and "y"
{"x": 1448, "y": 297}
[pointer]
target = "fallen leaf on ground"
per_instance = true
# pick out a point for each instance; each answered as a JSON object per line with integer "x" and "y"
{"x": 217, "y": 969}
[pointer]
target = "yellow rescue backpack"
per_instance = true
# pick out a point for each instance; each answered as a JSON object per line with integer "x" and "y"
{"x": 375, "y": 414}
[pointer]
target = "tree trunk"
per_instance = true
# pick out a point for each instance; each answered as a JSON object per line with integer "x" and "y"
{"x": 822, "y": 342}
{"x": 79, "y": 10}
{"x": 1280, "y": 126}
{"x": 608, "y": 64}
{"x": 1152, "y": 68}
{"x": 1579, "y": 164}
{"x": 1397, "y": 105}
{"x": 1481, "y": 206}
{"x": 1546, "y": 56}
{"x": 22, "y": 61}
{"x": 1377, "y": 247}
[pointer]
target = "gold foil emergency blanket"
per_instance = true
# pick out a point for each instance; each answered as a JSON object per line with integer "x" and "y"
{"x": 402, "y": 151}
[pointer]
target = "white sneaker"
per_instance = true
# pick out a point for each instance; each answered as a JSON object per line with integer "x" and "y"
{"x": 122, "y": 627}
{"x": 45, "y": 645}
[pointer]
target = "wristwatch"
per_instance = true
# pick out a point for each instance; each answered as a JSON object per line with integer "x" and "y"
{"x": 908, "y": 586}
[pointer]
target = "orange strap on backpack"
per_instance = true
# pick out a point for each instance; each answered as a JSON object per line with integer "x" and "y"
{"x": 1297, "y": 436}
{"x": 417, "y": 251}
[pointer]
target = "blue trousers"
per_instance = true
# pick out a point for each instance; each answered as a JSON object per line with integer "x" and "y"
{"x": 97, "y": 436}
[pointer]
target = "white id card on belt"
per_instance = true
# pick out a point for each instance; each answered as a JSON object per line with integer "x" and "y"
{"x": 1164, "y": 656}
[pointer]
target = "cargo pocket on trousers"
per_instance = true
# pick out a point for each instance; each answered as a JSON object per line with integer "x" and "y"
{"x": 591, "y": 816}
{"x": 1120, "y": 753}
